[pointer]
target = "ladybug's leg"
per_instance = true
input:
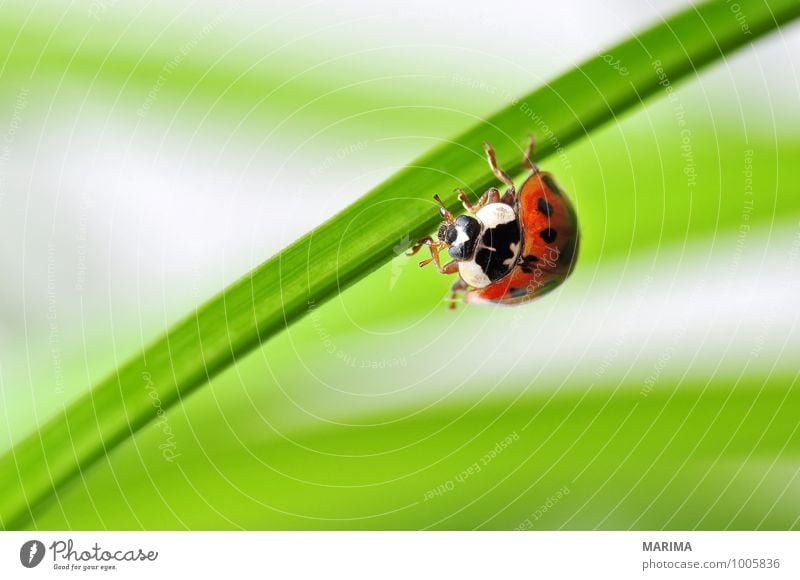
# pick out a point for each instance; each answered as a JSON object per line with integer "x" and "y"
{"x": 527, "y": 158}
{"x": 491, "y": 196}
{"x": 435, "y": 247}
{"x": 457, "y": 288}
{"x": 498, "y": 173}
{"x": 426, "y": 241}
{"x": 450, "y": 268}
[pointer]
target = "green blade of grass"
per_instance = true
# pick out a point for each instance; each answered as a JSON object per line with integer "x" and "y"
{"x": 361, "y": 238}
{"x": 679, "y": 457}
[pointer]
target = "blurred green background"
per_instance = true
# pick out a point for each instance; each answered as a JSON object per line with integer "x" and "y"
{"x": 152, "y": 154}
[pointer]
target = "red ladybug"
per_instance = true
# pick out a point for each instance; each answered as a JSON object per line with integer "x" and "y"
{"x": 514, "y": 248}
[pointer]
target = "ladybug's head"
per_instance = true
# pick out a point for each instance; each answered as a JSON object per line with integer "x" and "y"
{"x": 461, "y": 236}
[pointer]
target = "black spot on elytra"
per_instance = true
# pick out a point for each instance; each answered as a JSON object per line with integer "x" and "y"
{"x": 527, "y": 263}
{"x": 517, "y": 292}
{"x": 548, "y": 181}
{"x": 544, "y": 207}
{"x": 548, "y": 235}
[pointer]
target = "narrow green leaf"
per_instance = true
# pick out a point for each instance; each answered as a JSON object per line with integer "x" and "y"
{"x": 361, "y": 238}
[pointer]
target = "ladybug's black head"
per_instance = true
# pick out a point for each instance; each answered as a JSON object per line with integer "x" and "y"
{"x": 461, "y": 236}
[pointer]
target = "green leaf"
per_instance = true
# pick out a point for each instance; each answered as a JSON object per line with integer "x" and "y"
{"x": 360, "y": 239}
{"x": 680, "y": 457}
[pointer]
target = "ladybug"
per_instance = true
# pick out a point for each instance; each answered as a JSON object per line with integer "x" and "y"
{"x": 513, "y": 248}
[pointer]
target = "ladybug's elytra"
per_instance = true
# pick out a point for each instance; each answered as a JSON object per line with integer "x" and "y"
{"x": 515, "y": 247}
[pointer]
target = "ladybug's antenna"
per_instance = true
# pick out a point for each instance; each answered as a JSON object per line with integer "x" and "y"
{"x": 446, "y": 215}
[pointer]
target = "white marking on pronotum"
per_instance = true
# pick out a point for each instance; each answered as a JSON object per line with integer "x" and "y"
{"x": 494, "y": 214}
{"x": 473, "y": 274}
{"x": 461, "y": 237}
